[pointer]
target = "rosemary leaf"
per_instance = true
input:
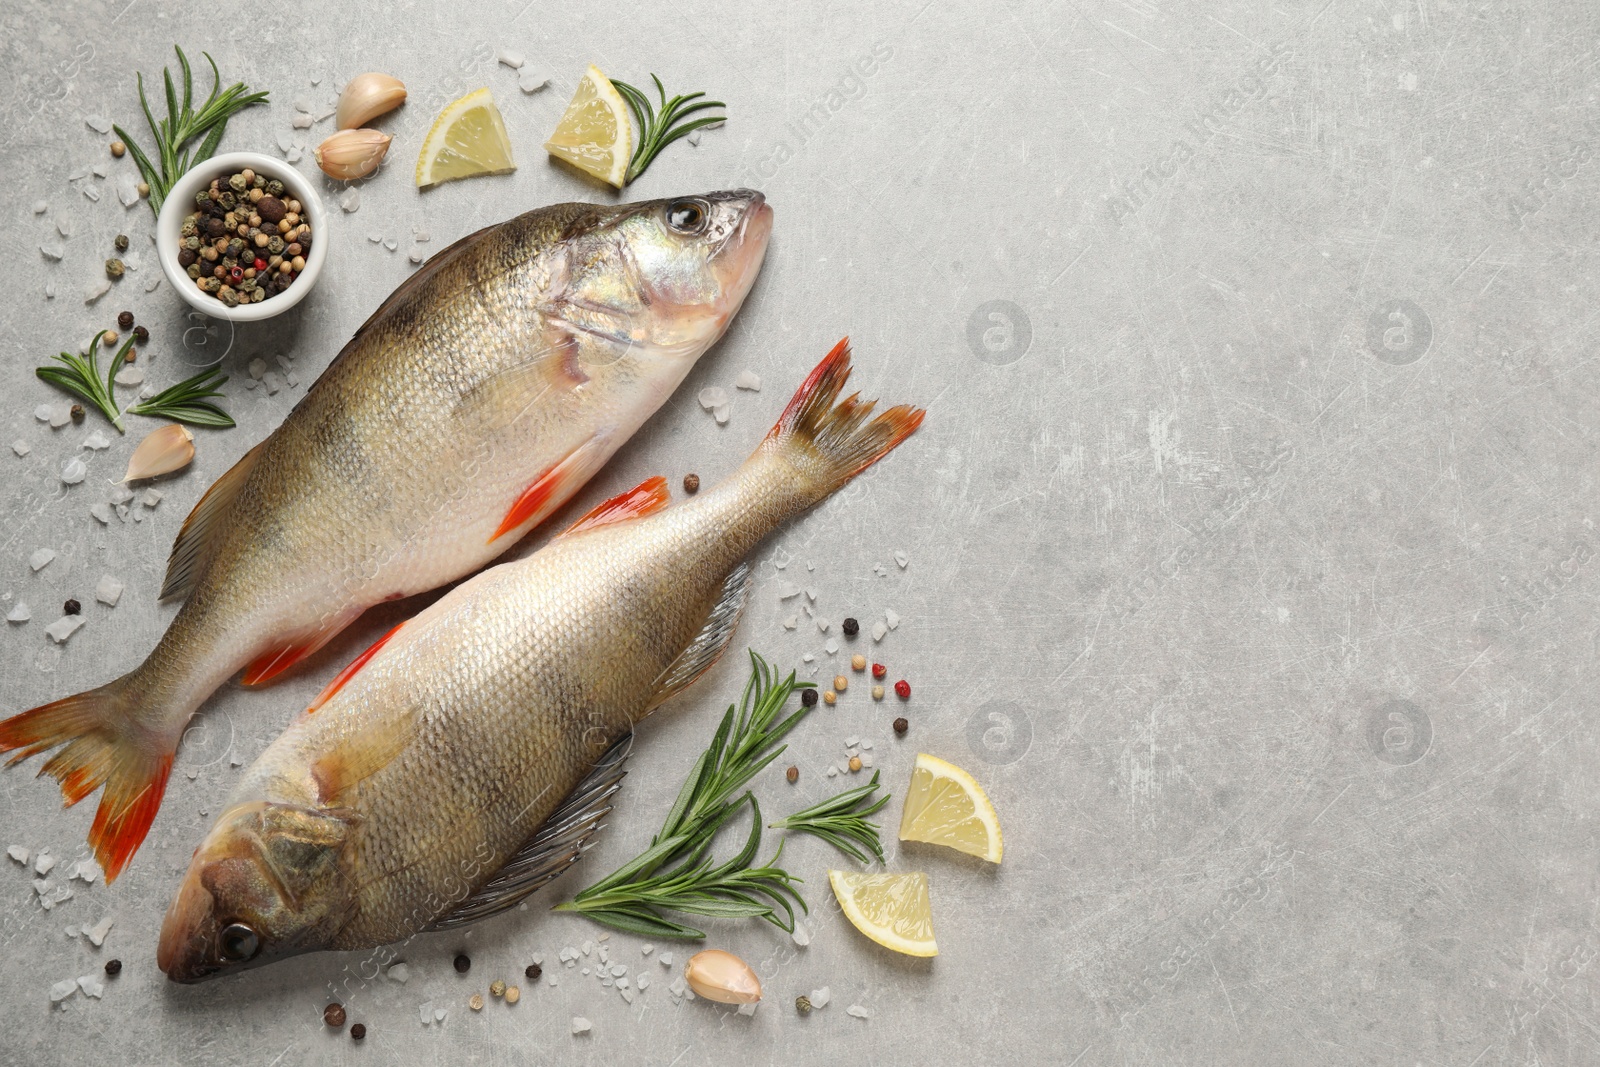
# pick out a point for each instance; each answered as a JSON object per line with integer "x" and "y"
{"x": 842, "y": 821}
{"x": 189, "y": 401}
{"x": 183, "y": 125}
{"x": 677, "y": 873}
{"x": 80, "y": 375}
{"x": 659, "y": 129}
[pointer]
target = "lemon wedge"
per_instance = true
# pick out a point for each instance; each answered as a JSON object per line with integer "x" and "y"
{"x": 892, "y": 909}
{"x": 467, "y": 139}
{"x": 944, "y": 806}
{"x": 595, "y": 135}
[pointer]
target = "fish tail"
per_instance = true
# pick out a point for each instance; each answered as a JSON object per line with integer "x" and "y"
{"x": 829, "y": 441}
{"x": 100, "y": 744}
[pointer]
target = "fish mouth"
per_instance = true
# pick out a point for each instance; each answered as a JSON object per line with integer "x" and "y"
{"x": 185, "y": 952}
{"x": 738, "y": 259}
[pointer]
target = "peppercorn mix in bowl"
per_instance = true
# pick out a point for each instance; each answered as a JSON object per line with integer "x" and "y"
{"x": 242, "y": 237}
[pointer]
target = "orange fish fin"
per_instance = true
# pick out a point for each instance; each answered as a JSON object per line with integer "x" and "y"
{"x": 196, "y": 539}
{"x": 97, "y": 748}
{"x": 349, "y": 672}
{"x": 710, "y": 643}
{"x": 829, "y": 443}
{"x": 338, "y": 771}
{"x": 551, "y": 489}
{"x": 291, "y": 650}
{"x": 646, "y": 498}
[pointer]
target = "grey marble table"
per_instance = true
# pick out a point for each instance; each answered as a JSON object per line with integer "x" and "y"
{"x": 1248, "y": 546}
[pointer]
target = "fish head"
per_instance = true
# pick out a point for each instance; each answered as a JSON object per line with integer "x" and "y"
{"x": 662, "y": 279}
{"x": 264, "y": 884}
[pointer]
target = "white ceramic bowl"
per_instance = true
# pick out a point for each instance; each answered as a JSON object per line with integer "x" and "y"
{"x": 179, "y": 204}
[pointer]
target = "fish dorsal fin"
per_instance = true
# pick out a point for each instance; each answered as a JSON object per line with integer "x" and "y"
{"x": 197, "y": 538}
{"x": 557, "y": 844}
{"x": 710, "y": 643}
{"x": 425, "y": 273}
{"x": 646, "y": 498}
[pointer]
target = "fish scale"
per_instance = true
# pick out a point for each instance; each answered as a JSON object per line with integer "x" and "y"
{"x": 426, "y": 771}
{"x": 474, "y": 402}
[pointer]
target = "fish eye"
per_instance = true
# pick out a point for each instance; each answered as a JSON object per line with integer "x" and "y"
{"x": 686, "y": 216}
{"x": 239, "y": 943}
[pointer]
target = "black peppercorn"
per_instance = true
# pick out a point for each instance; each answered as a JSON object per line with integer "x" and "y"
{"x": 533, "y": 972}
{"x": 72, "y": 607}
{"x": 691, "y": 483}
{"x": 140, "y": 336}
{"x": 463, "y": 963}
{"x": 808, "y": 697}
{"x": 358, "y": 1031}
{"x": 850, "y": 627}
{"x": 125, "y": 320}
{"x": 333, "y": 1015}
{"x": 901, "y": 726}
{"x": 113, "y": 967}
{"x": 77, "y": 413}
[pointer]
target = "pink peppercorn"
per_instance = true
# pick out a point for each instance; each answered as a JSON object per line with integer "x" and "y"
{"x": 902, "y": 689}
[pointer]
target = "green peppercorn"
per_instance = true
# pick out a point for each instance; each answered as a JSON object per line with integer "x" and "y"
{"x": 188, "y": 228}
{"x": 276, "y": 245}
{"x": 274, "y": 188}
{"x": 121, "y": 242}
{"x": 802, "y": 1004}
{"x": 114, "y": 268}
{"x": 237, "y": 183}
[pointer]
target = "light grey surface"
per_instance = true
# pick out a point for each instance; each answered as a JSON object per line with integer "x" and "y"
{"x": 1267, "y": 618}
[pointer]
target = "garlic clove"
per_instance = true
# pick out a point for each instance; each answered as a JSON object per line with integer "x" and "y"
{"x": 162, "y": 452}
{"x": 352, "y": 154}
{"x": 368, "y": 96}
{"x": 722, "y": 977}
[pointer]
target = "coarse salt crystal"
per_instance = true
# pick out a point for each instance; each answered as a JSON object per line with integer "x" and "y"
{"x": 879, "y": 629}
{"x": 350, "y": 200}
{"x": 399, "y": 972}
{"x": 63, "y": 989}
{"x": 512, "y": 59}
{"x": 101, "y": 170}
{"x": 421, "y": 233}
{"x": 791, "y": 622}
{"x": 713, "y": 396}
{"x": 417, "y": 255}
{"x": 40, "y": 207}
{"x": 92, "y": 986}
{"x": 41, "y": 559}
{"x": 644, "y": 950}
{"x": 257, "y": 368}
{"x": 127, "y": 190}
{"x": 52, "y": 249}
{"x": 852, "y": 742}
{"x": 21, "y": 447}
{"x": 721, "y": 413}
{"x": 811, "y": 594}
{"x": 866, "y": 760}
{"x": 439, "y": 1014}
{"x": 580, "y": 1025}
{"x": 62, "y": 894}
{"x": 833, "y": 772}
{"x": 391, "y": 243}
{"x": 64, "y": 628}
{"x": 98, "y": 123}
{"x": 86, "y": 871}
{"x": 588, "y": 947}
{"x": 108, "y": 590}
{"x": 74, "y": 470}
{"x": 801, "y": 935}
{"x": 18, "y": 853}
{"x": 694, "y": 138}
{"x": 121, "y": 494}
{"x": 747, "y": 1009}
{"x": 819, "y": 997}
{"x": 866, "y": 744}
{"x": 643, "y": 982}
{"x": 97, "y": 934}
{"x": 425, "y": 1012}
{"x": 786, "y": 591}
{"x": 20, "y": 613}
{"x": 92, "y": 193}
{"x": 150, "y": 498}
{"x": 858, "y": 1011}
{"x": 271, "y": 382}
{"x": 60, "y": 415}
{"x": 302, "y": 121}
{"x": 97, "y": 441}
{"x": 892, "y": 619}
{"x": 530, "y": 80}
{"x": 665, "y": 959}
{"x": 97, "y": 290}
{"x": 42, "y": 412}
{"x": 902, "y": 559}
{"x": 748, "y": 380}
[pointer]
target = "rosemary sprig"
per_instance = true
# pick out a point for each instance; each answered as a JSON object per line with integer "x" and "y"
{"x": 183, "y": 124}
{"x": 842, "y": 822}
{"x": 188, "y": 401}
{"x": 657, "y": 130}
{"x": 80, "y": 375}
{"x": 676, "y": 873}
